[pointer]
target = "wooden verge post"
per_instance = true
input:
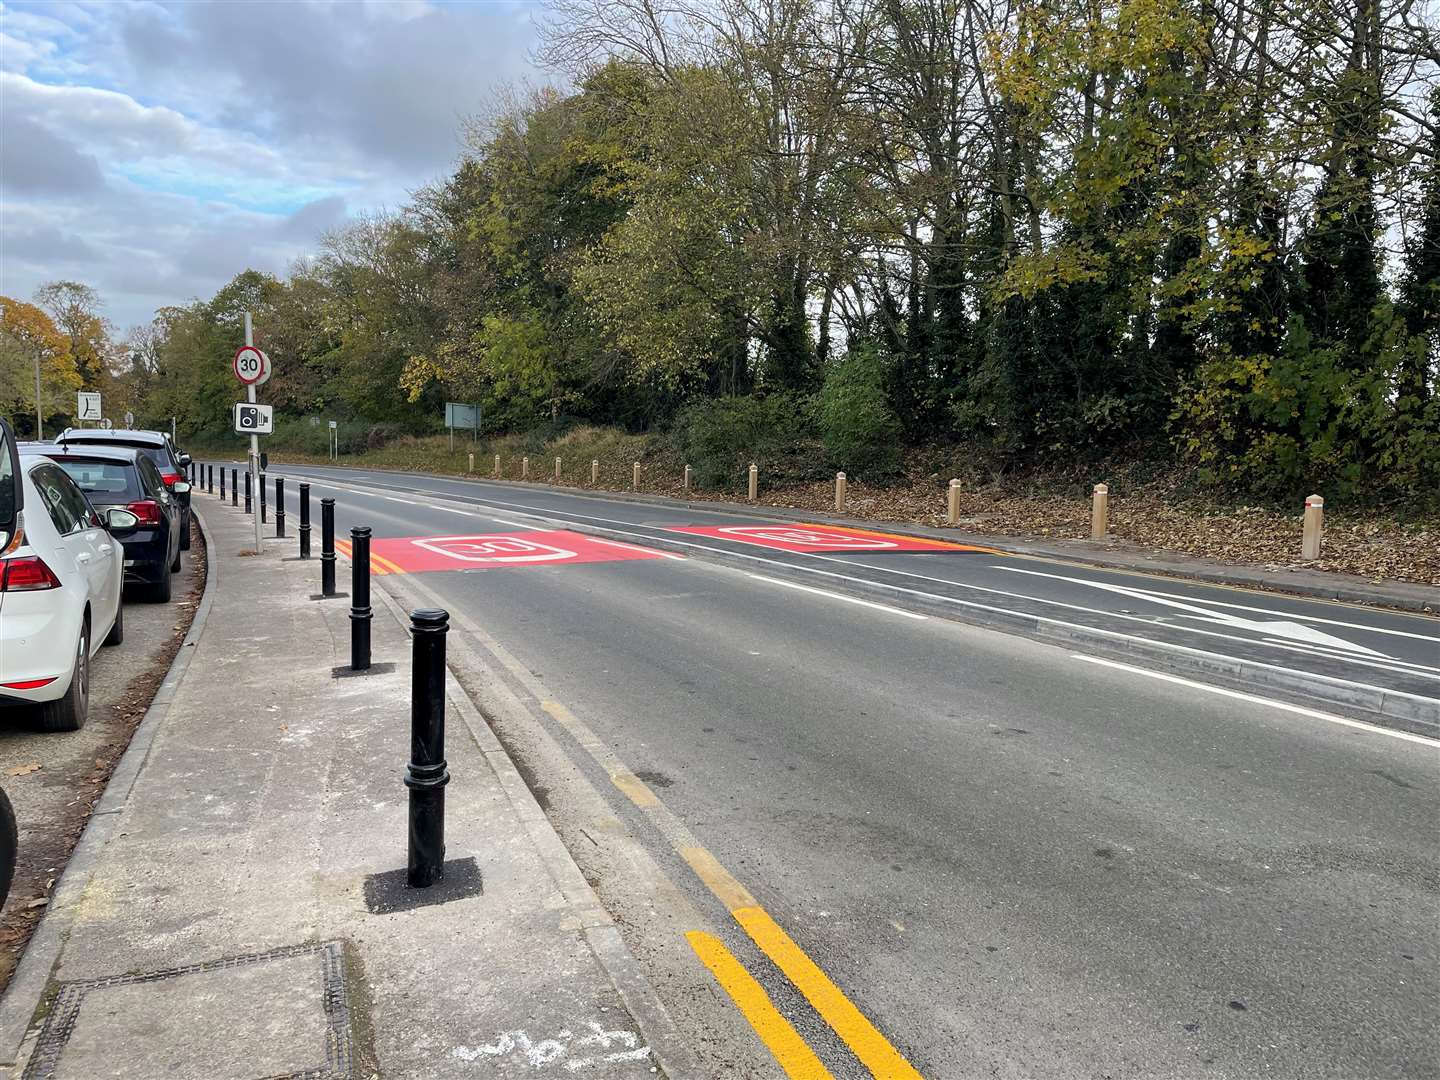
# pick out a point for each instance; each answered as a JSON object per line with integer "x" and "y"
{"x": 1100, "y": 512}
{"x": 1314, "y": 525}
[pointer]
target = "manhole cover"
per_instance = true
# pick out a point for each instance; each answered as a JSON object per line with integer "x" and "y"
{"x": 279, "y": 1015}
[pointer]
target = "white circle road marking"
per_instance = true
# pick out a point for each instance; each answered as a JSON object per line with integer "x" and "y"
{"x": 807, "y": 537}
{"x": 497, "y": 548}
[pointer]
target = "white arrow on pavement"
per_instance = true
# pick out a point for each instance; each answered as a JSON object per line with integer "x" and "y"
{"x": 1283, "y": 628}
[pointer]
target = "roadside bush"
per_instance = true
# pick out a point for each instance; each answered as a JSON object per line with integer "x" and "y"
{"x": 719, "y": 437}
{"x": 379, "y": 435}
{"x": 859, "y": 429}
{"x": 1307, "y": 420}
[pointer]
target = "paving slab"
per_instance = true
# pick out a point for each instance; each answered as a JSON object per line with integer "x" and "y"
{"x": 195, "y": 933}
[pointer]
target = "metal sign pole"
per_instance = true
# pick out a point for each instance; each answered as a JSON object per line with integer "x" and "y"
{"x": 254, "y": 439}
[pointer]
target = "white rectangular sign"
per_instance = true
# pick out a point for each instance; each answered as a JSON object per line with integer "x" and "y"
{"x": 254, "y": 419}
{"x": 462, "y": 416}
{"x": 88, "y": 405}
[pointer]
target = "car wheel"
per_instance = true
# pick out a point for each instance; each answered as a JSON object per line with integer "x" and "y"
{"x": 117, "y": 629}
{"x": 9, "y": 845}
{"x": 175, "y": 566}
{"x": 70, "y": 712}
{"x": 185, "y": 533}
{"x": 160, "y": 591}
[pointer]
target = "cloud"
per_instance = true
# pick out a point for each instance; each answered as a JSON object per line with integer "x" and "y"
{"x": 48, "y": 245}
{"x": 35, "y": 161}
{"x": 314, "y": 219}
{"x": 155, "y": 150}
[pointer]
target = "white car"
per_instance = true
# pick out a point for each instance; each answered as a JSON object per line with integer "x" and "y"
{"x": 61, "y": 571}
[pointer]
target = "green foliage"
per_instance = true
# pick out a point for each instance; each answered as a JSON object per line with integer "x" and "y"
{"x": 720, "y": 437}
{"x": 1073, "y": 231}
{"x": 1306, "y": 420}
{"x": 859, "y": 429}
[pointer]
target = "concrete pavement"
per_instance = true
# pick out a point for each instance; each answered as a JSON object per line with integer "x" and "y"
{"x": 1010, "y": 859}
{"x": 225, "y": 915}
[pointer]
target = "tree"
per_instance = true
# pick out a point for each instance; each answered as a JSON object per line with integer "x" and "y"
{"x": 1420, "y": 285}
{"x": 76, "y": 309}
{"x": 26, "y": 335}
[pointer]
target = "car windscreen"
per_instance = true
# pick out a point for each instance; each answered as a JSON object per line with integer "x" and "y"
{"x": 159, "y": 455}
{"x": 154, "y": 451}
{"x": 104, "y": 482}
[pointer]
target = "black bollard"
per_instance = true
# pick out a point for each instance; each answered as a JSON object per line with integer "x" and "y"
{"x": 248, "y": 510}
{"x": 210, "y": 479}
{"x": 304, "y": 521}
{"x": 234, "y": 487}
{"x": 279, "y": 506}
{"x": 222, "y": 483}
{"x": 327, "y": 547}
{"x": 427, "y": 774}
{"x": 263, "y": 500}
{"x": 360, "y": 614}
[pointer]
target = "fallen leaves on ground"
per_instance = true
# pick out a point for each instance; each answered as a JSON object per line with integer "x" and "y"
{"x": 1368, "y": 545}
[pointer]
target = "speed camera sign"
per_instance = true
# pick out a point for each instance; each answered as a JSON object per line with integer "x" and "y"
{"x": 254, "y": 419}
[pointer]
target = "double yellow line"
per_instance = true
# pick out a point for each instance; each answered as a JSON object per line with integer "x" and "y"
{"x": 779, "y": 1036}
{"x": 378, "y": 563}
{"x": 775, "y": 1031}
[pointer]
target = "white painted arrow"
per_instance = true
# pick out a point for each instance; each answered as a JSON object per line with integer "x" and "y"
{"x": 1283, "y": 628}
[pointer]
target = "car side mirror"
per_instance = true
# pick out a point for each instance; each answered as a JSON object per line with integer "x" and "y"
{"x": 120, "y": 521}
{"x": 184, "y": 460}
{"x": 181, "y": 487}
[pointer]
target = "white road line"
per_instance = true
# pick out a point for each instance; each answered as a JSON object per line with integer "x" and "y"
{"x": 1404, "y": 667}
{"x": 840, "y": 596}
{"x": 1122, "y": 616}
{"x": 1373, "y": 729}
{"x": 1274, "y": 613}
{"x": 553, "y": 515}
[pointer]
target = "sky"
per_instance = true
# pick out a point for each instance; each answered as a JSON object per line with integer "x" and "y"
{"x": 155, "y": 150}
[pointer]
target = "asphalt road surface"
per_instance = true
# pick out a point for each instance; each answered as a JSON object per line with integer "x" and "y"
{"x": 983, "y": 855}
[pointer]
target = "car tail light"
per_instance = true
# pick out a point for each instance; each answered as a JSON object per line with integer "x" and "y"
{"x": 26, "y": 573}
{"x": 28, "y": 684}
{"x": 147, "y": 510}
{"x": 171, "y": 478}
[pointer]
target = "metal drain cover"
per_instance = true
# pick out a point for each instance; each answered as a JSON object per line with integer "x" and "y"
{"x": 279, "y": 1015}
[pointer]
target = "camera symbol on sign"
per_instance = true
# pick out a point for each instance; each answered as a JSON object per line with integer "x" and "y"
{"x": 254, "y": 419}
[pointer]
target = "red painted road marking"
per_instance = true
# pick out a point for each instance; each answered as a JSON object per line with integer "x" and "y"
{"x": 817, "y": 538}
{"x": 487, "y": 551}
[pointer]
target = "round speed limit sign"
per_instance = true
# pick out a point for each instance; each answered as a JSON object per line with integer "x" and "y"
{"x": 249, "y": 364}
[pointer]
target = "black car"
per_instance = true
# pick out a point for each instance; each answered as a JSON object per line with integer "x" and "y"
{"x": 156, "y": 445}
{"x": 125, "y": 476}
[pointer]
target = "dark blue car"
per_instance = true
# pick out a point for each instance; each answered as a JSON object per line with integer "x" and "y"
{"x": 125, "y": 476}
